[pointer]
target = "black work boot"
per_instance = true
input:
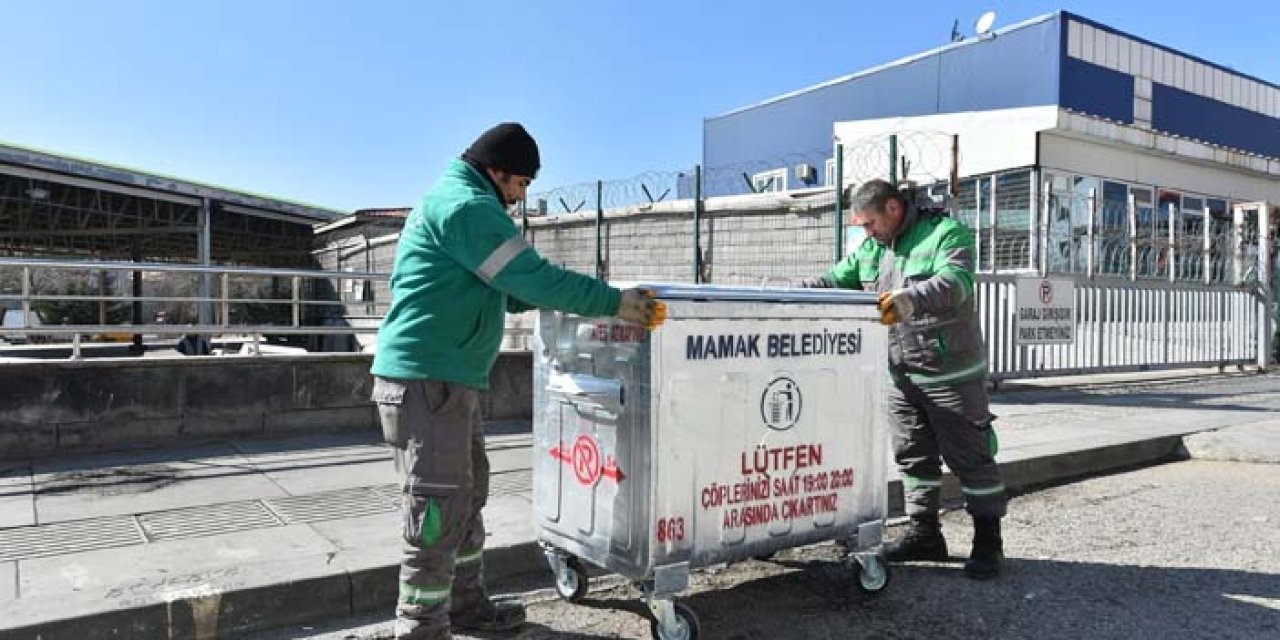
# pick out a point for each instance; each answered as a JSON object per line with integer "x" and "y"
{"x": 498, "y": 614}
{"x": 413, "y": 629}
{"x": 922, "y": 541}
{"x": 988, "y": 550}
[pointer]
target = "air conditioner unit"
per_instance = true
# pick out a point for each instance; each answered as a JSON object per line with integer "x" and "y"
{"x": 806, "y": 173}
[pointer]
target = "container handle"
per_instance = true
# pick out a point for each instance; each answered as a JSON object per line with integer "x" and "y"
{"x": 602, "y": 391}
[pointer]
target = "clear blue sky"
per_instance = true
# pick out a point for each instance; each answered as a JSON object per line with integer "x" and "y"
{"x": 359, "y": 104}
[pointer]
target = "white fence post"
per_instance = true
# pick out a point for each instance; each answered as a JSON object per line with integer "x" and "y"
{"x": 1133, "y": 237}
{"x": 1207, "y": 255}
{"x": 1093, "y": 220}
{"x": 1266, "y": 321}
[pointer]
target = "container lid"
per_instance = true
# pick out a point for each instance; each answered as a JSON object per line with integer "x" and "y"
{"x": 717, "y": 293}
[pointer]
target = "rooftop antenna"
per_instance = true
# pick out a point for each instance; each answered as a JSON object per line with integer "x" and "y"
{"x": 983, "y": 26}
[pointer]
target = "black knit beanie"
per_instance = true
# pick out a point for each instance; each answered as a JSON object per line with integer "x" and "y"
{"x": 506, "y": 147}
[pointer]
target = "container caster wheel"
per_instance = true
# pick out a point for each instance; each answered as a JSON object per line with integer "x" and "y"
{"x": 571, "y": 580}
{"x": 873, "y": 572}
{"x": 685, "y": 627}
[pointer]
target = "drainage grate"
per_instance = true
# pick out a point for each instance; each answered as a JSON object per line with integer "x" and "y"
{"x": 393, "y": 493}
{"x": 511, "y": 483}
{"x": 209, "y": 520}
{"x": 75, "y": 536}
{"x": 59, "y": 538}
{"x": 331, "y": 505}
{"x": 507, "y": 483}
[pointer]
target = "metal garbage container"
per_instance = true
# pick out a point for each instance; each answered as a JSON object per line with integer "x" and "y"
{"x": 750, "y": 422}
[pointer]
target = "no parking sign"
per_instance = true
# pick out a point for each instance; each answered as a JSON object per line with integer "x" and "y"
{"x": 1046, "y": 311}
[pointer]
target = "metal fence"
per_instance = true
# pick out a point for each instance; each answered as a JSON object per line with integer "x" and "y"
{"x": 1135, "y": 238}
{"x": 1158, "y": 284}
{"x": 1129, "y": 326}
{"x": 999, "y": 207}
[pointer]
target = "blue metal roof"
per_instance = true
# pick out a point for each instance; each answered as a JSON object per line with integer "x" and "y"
{"x": 1221, "y": 67}
{"x": 1024, "y": 65}
{"x": 901, "y": 62}
{"x": 1016, "y": 67}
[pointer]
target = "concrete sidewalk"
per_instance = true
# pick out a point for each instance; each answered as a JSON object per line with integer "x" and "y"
{"x": 231, "y": 537}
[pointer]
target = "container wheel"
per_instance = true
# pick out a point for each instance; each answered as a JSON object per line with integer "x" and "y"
{"x": 687, "y": 626}
{"x": 572, "y": 583}
{"x": 873, "y": 573}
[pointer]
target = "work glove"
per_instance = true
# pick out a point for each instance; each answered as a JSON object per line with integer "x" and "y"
{"x": 895, "y": 306}
{"x": 639, "y": 307}
{"x": 820, "y": 282}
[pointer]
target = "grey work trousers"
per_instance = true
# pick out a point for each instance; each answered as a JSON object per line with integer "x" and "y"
{"x": 952, "y": 424}
{"x": 438, "y": 442}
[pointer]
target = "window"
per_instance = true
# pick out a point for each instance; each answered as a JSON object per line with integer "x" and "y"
{"x": 1191, "y": 228}
{"x": 966, "y": 205}
{"x": 1146, "y": 249}
{"x": 1081, "y": 188}
{"x": 1112, "y": 255}
{"x": 1190, "y": 239}
{"x": 1115, "y": 206}
{"x": 1145, "y": 211}
{"x": 770, "y": 181}
{"x": 1170, "y": 203}
{"x": 1013, "y": 201}
{"x": 939, "y": 191}
{"x": 986, "y": 254}
{"x": 1012, "y": 248}
{"x": 1068, "y": 223}
{"x": 829, "y": 172}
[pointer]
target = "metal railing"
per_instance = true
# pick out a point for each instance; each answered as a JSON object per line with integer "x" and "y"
{"x": 215, "y": 309}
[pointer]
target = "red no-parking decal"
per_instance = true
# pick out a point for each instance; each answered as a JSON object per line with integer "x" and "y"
{"x": 584, "y": 457}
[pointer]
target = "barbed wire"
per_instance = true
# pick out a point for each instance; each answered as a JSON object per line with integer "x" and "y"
{"x": 921, "y": 156}
{"x": 647, "y": 188}
{"x": 788, "y": 172}
{"x": 1147, "y": 254}
{"x": 928, "y": 159}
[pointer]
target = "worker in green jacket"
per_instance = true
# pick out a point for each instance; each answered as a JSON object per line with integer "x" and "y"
{"x": 922, "y": 265}
{"x": 460, "y": 266}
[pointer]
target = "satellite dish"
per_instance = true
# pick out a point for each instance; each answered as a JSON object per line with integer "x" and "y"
{"x": 983, "y": 26}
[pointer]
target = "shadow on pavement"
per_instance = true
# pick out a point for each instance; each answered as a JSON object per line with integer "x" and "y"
{"x": 1039, "y": 599}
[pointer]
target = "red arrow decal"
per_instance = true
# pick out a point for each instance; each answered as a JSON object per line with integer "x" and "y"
{"x": 611, "y": 470}
{"x": 585, "y": 465}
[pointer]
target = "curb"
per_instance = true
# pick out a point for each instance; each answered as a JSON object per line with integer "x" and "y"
{"x": 238, "y": 605}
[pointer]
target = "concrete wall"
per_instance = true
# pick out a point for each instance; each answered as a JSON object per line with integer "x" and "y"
{"x": 744, "y": 239}
{"x": 61, "y": 406}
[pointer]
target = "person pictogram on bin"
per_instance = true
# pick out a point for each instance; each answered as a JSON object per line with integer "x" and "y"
{"x": 780, "y": 404}
{"x": 460, "y": 264}
{"x": 921, "y": 262}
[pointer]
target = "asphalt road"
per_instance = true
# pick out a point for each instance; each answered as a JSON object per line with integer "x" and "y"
{"x": 1182, "y": 550}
